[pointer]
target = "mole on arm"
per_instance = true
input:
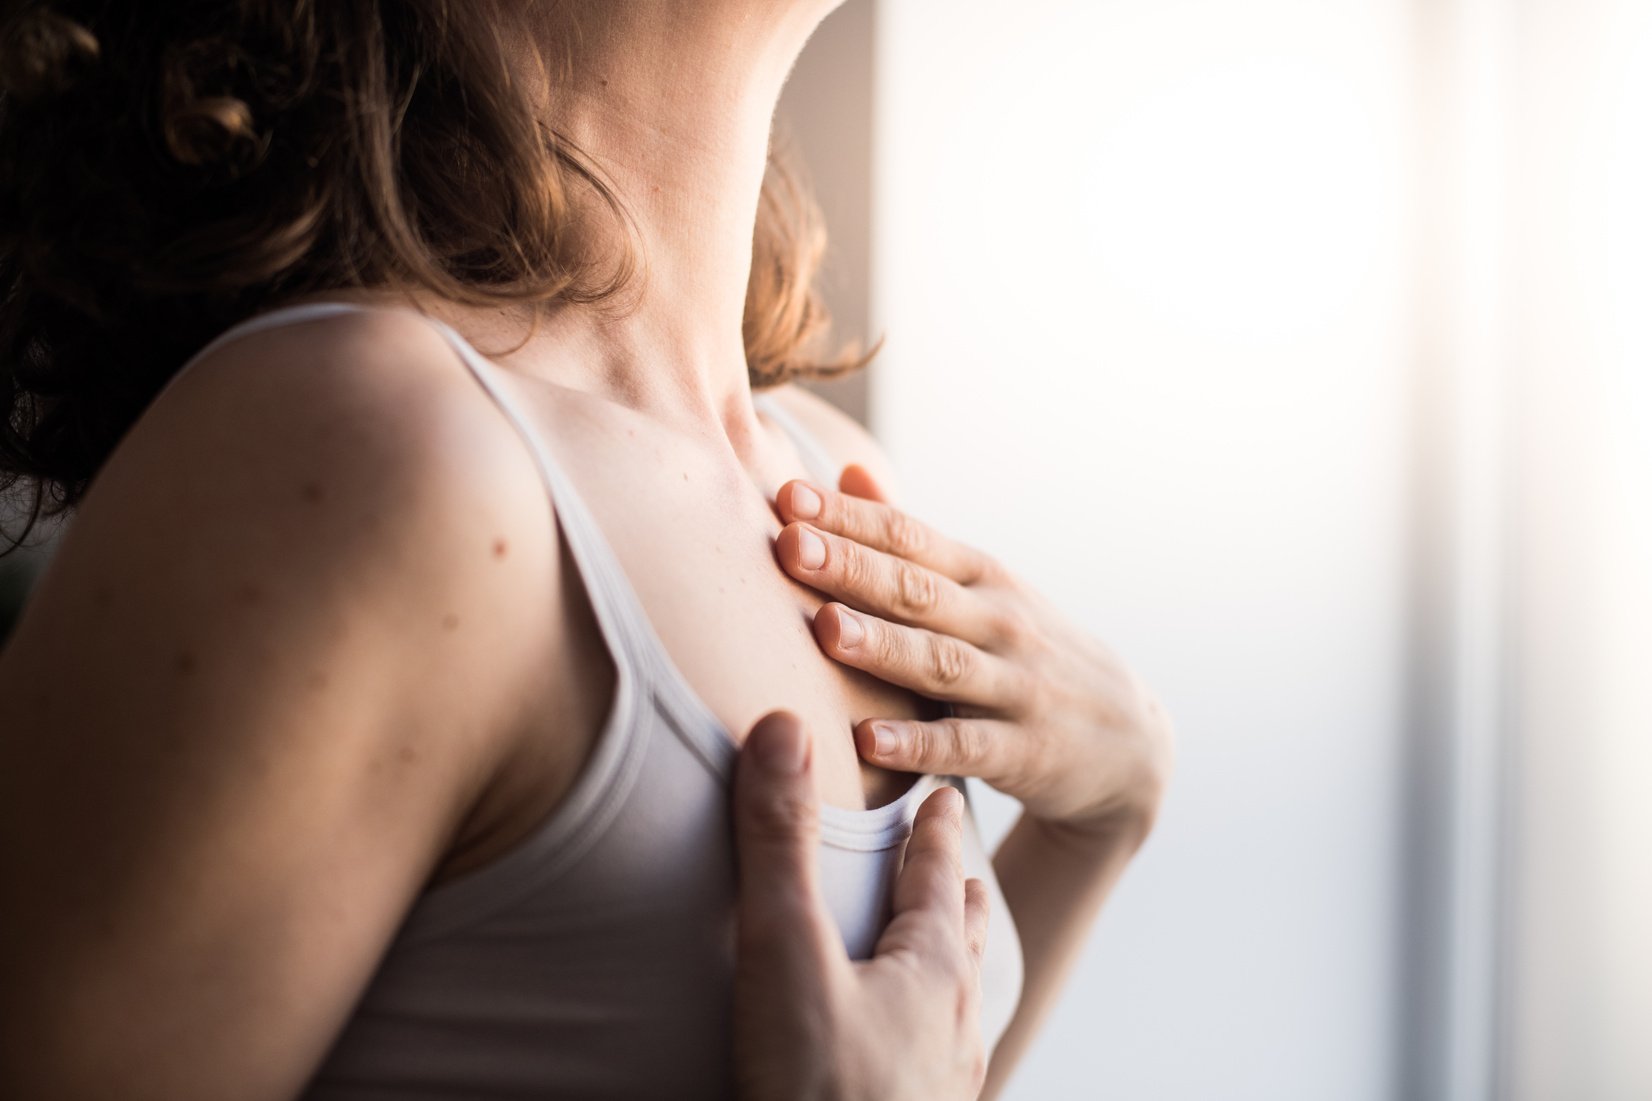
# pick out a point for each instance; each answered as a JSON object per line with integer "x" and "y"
{"x": 500, "y": 548}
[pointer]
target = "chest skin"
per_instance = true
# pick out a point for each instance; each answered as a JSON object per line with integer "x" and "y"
{"x": 693, "y": 531}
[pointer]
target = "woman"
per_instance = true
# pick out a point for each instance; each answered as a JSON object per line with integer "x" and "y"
{"x": 390, "y": 685}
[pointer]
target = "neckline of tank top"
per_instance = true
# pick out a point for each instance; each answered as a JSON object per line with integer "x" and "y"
{"x": 628, "y": 631}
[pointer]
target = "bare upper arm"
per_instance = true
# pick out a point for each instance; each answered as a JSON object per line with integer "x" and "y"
{"x": 843, "y": 437}
{"x": 242, "y": 717}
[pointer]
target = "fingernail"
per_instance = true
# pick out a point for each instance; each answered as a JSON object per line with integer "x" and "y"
{"x": 806, "y": 502}
{"x": 780, "y": 751}
{"x": 883, "y": 739}
{"x": 850, "y": 630}
{"x": 811, "y": 550}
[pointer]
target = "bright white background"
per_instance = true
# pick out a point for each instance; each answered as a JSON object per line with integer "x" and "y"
{"x": 1301, "y": 349}
{"x": 1141, "y": 268}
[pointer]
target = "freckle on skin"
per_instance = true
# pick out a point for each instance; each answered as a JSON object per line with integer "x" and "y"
{"x": 312, "y": 492}
{"x": 450, "y": 622}
{"x": 407, "y": 754}
{"x": 500, "y": 548}
{"x": 250, "y": 593}
{"x": 184, "y": 663}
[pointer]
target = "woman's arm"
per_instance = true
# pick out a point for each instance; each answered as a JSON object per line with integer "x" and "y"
{"x": 1054, "y": 884}
{"x": 1041, "y": 711}
{"x": 238, "y": 734}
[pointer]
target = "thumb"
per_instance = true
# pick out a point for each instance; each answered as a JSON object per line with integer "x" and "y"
{"x": 784, "y": 925}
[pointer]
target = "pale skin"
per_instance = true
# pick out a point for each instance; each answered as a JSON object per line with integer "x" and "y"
{"x": 371, "y": 599}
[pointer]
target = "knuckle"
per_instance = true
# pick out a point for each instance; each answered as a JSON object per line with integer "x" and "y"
{"x": 889, "y": 649}
{"x": 1035, "y": 691}
{"x": 1021, "y": 691}
{"x": 1012, "y": 627}
{"x": 968, "y": 740}
{"x": 859, "y": 573}
{"x": 850, "y": 562}
{"x": 917, "y": 593}
{"x": 987, "y": 570}
{"x": 785, "y": 816}
{"x": 903, "y": 535}
{"x": 948, "y": 664}
{"x": 923, "y": 744}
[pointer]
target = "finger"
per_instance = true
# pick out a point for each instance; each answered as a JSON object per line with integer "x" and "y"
{"x": 977, "y": 911}
{"x": 928, "y": 901}
{"x": 881, "y": 527}
{"x": 936, "y": 665}
{"x": 857, "y": 481}
{"x": 785, "y": 927}
{"x": 954, "y": 746}
{"x": 887, "y": 585}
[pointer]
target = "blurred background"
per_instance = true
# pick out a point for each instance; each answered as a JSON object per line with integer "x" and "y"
{"x": 1302, "y": 349}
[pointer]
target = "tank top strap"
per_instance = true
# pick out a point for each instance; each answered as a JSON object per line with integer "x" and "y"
{"x": 815, "y": 457}
{"x": 619, "y": 614}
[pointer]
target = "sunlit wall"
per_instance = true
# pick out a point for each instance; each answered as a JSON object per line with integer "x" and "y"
{"x": 1144, "y": 270}
{"x": 1303, "y": 349}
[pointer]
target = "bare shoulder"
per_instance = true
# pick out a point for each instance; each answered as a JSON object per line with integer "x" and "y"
{"x": 331, "y": 511}
{"x": 843, "y": 437}
{"x": 350, "y": 464}
{"x": 279, "y": 634}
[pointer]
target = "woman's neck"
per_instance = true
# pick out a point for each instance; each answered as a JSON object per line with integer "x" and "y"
{"x": 673, "y": 103}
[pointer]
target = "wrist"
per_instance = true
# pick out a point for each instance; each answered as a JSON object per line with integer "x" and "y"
{"x": 1124, "y": 818}
{"x": 1101, "y": 835}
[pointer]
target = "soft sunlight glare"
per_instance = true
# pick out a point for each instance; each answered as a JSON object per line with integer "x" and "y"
{"x": 1240, "y": 199}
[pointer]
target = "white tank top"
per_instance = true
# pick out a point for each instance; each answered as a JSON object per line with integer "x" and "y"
{"x": 595, "y": 958}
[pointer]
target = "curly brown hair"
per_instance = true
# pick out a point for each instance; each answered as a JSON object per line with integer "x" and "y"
{"x": 168, "y": 169}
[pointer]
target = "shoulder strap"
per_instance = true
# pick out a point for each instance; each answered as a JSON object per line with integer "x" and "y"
{"x": 814, "y": 454}
{"x": 619, "y": 613}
